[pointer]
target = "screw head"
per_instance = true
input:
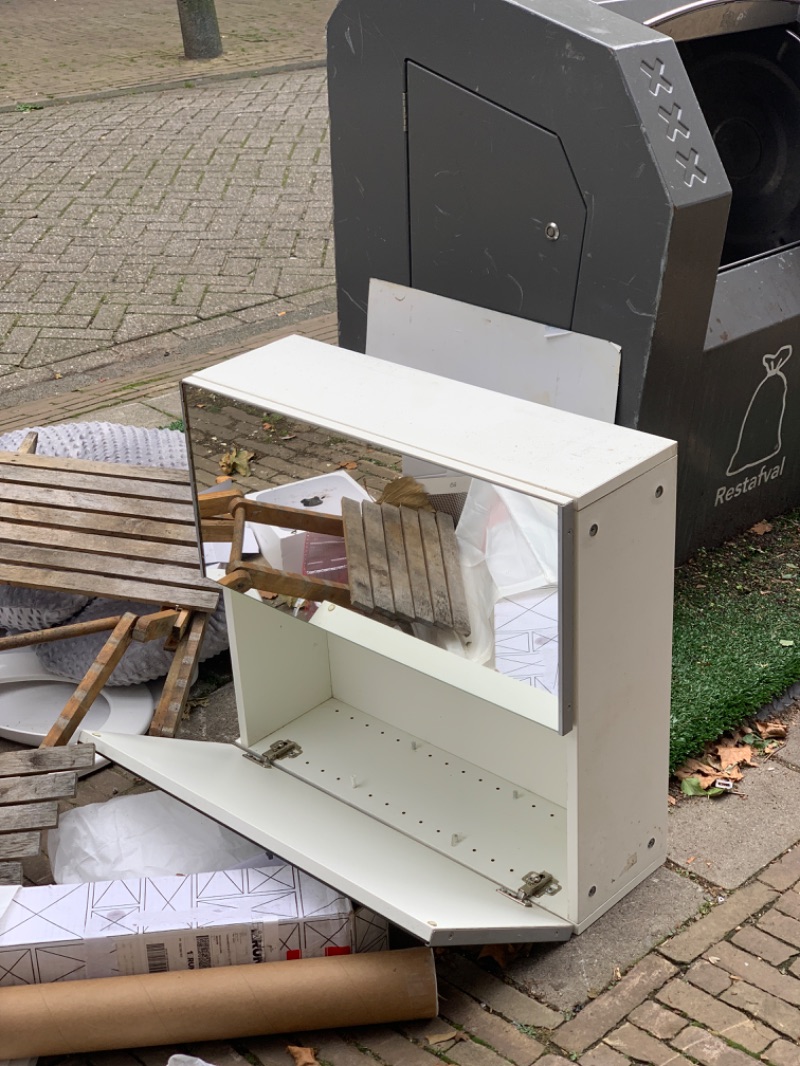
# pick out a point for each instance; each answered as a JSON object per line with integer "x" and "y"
{"x": 551, "y": 231}
{"x": 659, "y": 492}
{"x": 593, "y": 530}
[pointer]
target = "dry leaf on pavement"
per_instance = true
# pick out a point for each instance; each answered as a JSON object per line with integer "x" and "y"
{"x": 303, "y": 1056}
{"x": 773, "y": 729}
{"x": 730, "y": 755}
{"x": 760, "y": 528}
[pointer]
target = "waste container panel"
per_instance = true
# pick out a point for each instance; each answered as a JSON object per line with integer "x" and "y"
{"x": 496, "y": 216}
{"x": 431, "y": 896}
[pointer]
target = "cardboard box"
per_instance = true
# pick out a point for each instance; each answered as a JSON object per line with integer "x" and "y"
{"x": 151, "y": 925}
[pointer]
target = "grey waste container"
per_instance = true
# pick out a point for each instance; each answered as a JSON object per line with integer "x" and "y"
{"x": 628, "y": 169}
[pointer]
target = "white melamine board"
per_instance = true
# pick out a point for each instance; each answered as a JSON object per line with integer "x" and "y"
{"x": 554, "y": 367}
{"x": 486, "y": 734}
{"x": 439, "y": 664}
{"x": 280, "y": 665}
{"x": 618, "y": 770}
{"x": 552, "y": 454}
{"x": 417, "y": 888}
{"x": 474, "y": 817}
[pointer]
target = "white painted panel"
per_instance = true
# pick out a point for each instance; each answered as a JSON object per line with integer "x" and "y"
{"x": 478, "y": 819}
{"x": 435, "y": 899}
{"x": 619, "y": 745}
{"x": 552, "y": 454}
{"x": 554, "y": 367}
{"x": 531, "y": 755}
{"x": 280, "y": 666}
{"x": 439, "y": 665}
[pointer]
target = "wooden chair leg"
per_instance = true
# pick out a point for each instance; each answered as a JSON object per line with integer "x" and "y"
{"x": 176, "y": 687}
{"x": 89, "y": 688}
{"x": 44, "y": 636}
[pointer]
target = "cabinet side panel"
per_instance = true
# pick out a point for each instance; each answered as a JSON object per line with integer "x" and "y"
{"x": 507, "y": 744}
{"x": 280, "y": 666}
{"x": 618, "y": 764}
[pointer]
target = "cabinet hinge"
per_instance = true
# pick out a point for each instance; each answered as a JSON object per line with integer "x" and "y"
{"x": 405, "y": 112}
{"x": 536, "y": 883}
{"x": 281, "y": 749}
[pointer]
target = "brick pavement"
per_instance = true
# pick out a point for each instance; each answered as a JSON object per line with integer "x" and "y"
{"x": 56, "y": 49}
{"x": 134, "y": 226}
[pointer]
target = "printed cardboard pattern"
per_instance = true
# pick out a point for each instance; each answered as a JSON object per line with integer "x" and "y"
{"x": 149, "y": 925}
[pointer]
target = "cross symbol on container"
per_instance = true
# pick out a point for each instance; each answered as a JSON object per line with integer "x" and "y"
{"x": 673, "y": 121}
{"x": 658, "y": 82}
{"x": 690, "y": 165}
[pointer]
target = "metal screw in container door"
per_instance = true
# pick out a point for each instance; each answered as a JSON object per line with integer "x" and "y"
{"x": 593, "y": 530}
{"x": 551, "y": 231}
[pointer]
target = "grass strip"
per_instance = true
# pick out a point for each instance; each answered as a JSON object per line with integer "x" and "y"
{"x": 736, "y": 633}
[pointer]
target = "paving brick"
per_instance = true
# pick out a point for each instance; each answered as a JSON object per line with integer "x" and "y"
{"x": 391, "y": 1048}
{"x": 783, "y": 926}
{"x": 708, "y": 1049}
{"x": 470, "y": 1053}
{"x": 719, "y": 1017}
{"x": 608, "y": 1010}
{"x": 642, "y": 1047}
{"x": 657, "y": 1020}
{"x": 603, "y": 1055}
{"x": 758, "y": 973}
{"x": 552, "y": 1060}
{"x": 782, "y": 1053}
{"x": 740, "y": 905}
{"x": 500, "y": 997}
{"x": 708, "y": 977}
{"x": 761, "y": 944}
{"x": 764, "y": 1006}
{"x": 783, "y": 873}
{"x": 461, "y": 1009}
{"x": 789, "y": 903}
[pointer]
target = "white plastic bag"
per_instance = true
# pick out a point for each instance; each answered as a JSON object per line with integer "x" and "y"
{"x": 185, "y": 1060}
{"x": 149, "y": 835}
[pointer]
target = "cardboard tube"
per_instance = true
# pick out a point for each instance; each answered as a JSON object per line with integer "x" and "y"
{"x": 232, "y": 1001}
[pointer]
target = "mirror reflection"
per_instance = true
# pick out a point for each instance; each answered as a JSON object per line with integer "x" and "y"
{"x": 295, "y": 515}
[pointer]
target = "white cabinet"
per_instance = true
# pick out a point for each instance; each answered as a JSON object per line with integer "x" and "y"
{"x": 428, "y": 781}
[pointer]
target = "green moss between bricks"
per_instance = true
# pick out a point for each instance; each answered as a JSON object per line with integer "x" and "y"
{"x": 736, "y": 633}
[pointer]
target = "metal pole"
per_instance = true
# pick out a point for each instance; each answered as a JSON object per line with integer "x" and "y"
{"x": 199, "y": 29}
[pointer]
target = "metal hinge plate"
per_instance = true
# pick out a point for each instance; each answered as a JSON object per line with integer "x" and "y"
{"x": 280, "y": 749}
{"x": 536, "y": 883}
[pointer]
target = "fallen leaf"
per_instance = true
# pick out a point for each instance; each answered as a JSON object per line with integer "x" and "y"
{"x": 760, "y": 528}
{"x": 444, "y": 1036}
{"x": 57, "y": 375}
{"x": 713, "y": 958}
{"x": 281, "y": 314}
{"x": 671, "y": 801}
{"x": 200, "y": 405}
{"x": 734, "y": 755}
{"x": 266, "y": 425}
{"x": 222, "y": 478}
{"x": 774, "y": 729}
{"x": 503, "y": 954}
{"x": 690, "y": 859}
{"x": 347, "y": 466}
{"x": 237, "y": 461}
{"x": 303, "y": 1056}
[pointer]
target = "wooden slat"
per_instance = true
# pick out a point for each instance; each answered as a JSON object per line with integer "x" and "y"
{"x": 90, "y": 466}
{"x": 29, "y": 443}
{"x": 154, "y": 626}
{"x": 210, "y": 504}
{"x": 434, "y": 564}
{"x": 453, "y": 573}
{"x": 377, "y": 559}
{"x": 28, "y": 816}
{"x": 217, "y": 530}
{"x": 90, "y": 501}
{"x": 420, "y": 590}
{"x": 93, "y": 681}
{"x": 271, "y": 514}
{"x": 44, "y": 636}
{"x": 237, "y": 580}
{"x": 45, "y": 761}
{"x": 182, "y": 532}
{"x": 63, "y": 559}
{"x": 95, "y": 482}
{"x": 32, "y": 787}
{"x": 175, "y": 693}
{"x": 355, "y": 547}
{"x": 113, "y": 588}
{"x": 237, "y": 540}
{"x": 130, "y": 548}
{"x": 398, "y": 566}
{"x": 10, "y": 873}
{"x": 20, "y": 845}
{"x": 298, "y": 586}
{"x": 179, "y": 626}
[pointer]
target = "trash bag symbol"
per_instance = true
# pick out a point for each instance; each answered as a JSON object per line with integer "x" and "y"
{"x": 760, "y": 432}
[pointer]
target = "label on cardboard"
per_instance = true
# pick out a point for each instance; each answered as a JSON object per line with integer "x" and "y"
{"x": 189, "y": 949}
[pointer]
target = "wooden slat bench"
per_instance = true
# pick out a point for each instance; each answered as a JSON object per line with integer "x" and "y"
{"x": 30, "y": 784}
{"x": 114, "y": 531}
